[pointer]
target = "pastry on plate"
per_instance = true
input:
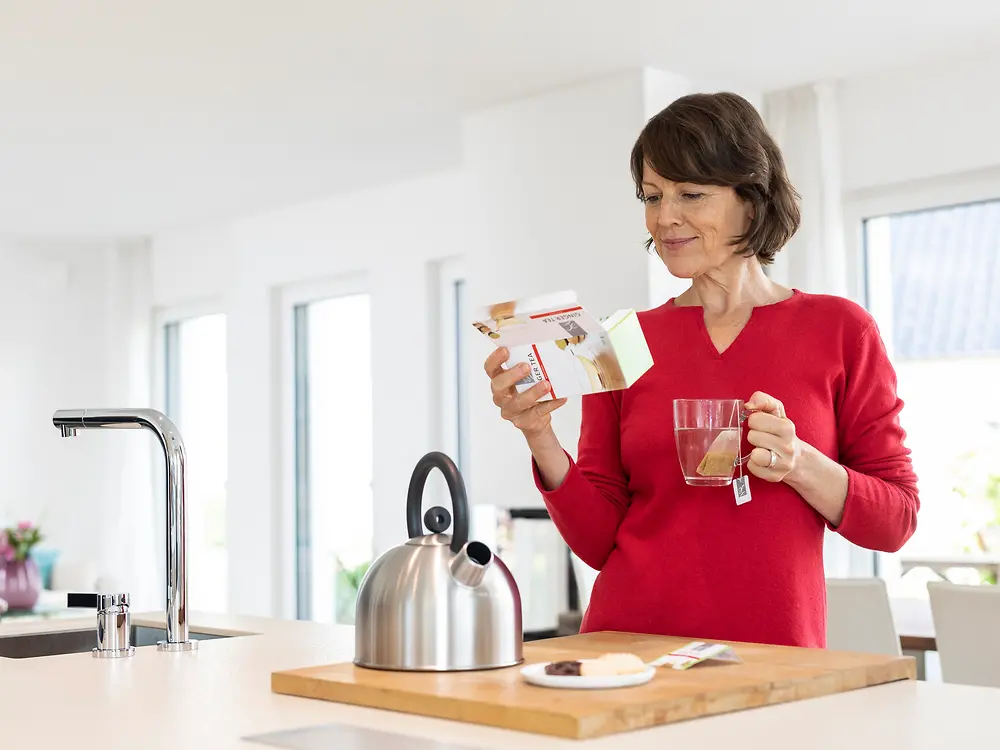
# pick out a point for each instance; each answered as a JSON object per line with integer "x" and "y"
{"x": 569, "y": 668}
{"x": 606, "y": 665}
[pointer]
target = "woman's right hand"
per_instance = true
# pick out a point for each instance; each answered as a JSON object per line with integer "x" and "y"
{"x": 523, "y": 410}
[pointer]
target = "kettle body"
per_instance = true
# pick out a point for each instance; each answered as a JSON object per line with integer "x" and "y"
{"x": 439, "y": 602}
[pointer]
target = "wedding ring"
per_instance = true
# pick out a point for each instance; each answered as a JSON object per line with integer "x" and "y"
{"x": 774, "y": 460}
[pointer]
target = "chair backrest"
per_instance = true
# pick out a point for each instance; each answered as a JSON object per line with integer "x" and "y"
{"x": 966, "y": 625}
{"x": 585, "y": 577}
{"x": 859, "y": 617}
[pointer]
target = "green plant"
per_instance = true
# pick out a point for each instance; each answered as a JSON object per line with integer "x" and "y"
{"x": 346, "y": 584}
{"x": 992, "y": 494}
{"x": 16, "y": 542}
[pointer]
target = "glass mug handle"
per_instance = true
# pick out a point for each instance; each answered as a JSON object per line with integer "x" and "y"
{"x": 744, "y": 416}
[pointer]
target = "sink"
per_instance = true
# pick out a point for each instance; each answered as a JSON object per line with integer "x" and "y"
{"x": 32, "y": 645}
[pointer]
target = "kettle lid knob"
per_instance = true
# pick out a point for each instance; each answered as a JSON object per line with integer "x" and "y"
{"x": 437, "y": 519}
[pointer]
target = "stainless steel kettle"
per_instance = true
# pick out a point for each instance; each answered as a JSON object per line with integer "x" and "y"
{"x": 438, "y": 602}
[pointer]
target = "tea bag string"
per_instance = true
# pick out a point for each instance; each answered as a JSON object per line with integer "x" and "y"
{"x": 739, "y": 438}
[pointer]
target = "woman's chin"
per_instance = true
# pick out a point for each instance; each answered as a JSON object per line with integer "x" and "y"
{"x": 682, "y": 268}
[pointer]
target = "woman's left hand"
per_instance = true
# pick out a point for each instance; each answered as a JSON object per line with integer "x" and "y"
{"x": 772, "y": 433}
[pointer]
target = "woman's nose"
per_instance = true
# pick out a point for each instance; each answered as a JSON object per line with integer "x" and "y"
{"x": 668, "y": 214}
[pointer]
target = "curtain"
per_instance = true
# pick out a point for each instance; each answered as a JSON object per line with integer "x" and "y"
{"x": 804, "y": 122}
{"x": 133, "y": 560}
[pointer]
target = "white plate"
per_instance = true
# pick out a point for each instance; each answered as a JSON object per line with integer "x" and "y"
{"x": 535, "y": 674}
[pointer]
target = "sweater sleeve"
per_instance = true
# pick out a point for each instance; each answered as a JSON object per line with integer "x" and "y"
{"x": 589, "y": 505}
{"x": 880, "y": 512}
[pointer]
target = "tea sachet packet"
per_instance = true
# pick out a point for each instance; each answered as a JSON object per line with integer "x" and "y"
{"x": 722, "y": 454}
{"x": 695, "y": 653}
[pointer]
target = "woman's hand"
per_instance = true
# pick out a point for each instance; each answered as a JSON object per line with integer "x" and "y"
{"x": 532, "y": 418}
{"x": 522, "y": 410}
{"x": 821, "y": 481}
{"x": 776, "y": 448}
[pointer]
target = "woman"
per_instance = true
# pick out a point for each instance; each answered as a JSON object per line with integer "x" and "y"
{"x": 827, "y": 450}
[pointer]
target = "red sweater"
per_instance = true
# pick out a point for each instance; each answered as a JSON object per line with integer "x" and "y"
{"x": 687, "y": 561}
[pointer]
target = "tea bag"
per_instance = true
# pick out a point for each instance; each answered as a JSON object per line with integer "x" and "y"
{"x": 721, "y": 456}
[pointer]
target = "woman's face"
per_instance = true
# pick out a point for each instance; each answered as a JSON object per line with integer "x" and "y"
{"x": 693, "y": 226}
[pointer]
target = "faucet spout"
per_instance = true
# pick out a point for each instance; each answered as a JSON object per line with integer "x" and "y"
{"x": 70, "y": 420}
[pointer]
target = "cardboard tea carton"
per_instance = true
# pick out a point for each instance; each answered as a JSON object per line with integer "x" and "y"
{"x": 567, "y": 346}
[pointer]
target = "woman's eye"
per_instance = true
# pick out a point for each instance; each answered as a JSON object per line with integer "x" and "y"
{"x": 651, "y": 199}
{"x": 692, "y": 196}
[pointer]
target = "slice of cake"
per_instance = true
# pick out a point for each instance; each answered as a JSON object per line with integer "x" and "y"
{"x": 612, "y": 665}
{"x": 563, "y": 668}
{"x": 606, "y": 665}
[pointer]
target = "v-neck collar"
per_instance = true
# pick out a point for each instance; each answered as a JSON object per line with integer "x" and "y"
{"x": 755, "y": 313}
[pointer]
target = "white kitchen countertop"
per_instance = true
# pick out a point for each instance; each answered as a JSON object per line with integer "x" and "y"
{"x": 212, "y": 697}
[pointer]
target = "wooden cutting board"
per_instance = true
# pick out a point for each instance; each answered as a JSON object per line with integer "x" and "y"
{"x": 501, "y": 698}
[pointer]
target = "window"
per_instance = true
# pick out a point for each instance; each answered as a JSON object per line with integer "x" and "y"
{"x": 933, "y": 285}
{"x": 486, "y": 522}
{"x": 195, "y": 399}
{"x": 454, "y": 358}
{"x": 333, "y": 454}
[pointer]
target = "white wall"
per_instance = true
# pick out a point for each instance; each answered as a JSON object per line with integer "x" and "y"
{"x": 36, "y": 299}
{"x": 557, "y": 210}
{"x": 389, "y": 236}
{"x": 920, "y": 123}
{"x": 192, "y": 266}
{"x": 68, "y": 332}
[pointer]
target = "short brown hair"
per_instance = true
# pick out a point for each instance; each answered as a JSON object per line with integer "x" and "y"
{"x": 721, "y": 139}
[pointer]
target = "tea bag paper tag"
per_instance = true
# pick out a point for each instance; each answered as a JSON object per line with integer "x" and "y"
{"x": 741, "y": 488}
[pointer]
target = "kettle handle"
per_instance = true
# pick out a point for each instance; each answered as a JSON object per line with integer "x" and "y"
{"x": 459, "y": 502}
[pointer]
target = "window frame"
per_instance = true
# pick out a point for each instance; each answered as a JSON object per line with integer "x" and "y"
{"x": 289, "y": 298}
{"x": 162, "y": 318}
{"x": 871, "y": 203}
{"x": 915, "y": 195}
{"x": 453, "y": 386}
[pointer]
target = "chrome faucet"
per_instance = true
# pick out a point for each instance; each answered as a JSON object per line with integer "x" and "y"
{"x": 70, "y": 420}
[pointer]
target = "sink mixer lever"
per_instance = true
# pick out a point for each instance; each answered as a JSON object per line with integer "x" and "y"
{"x": 114, "y": 622}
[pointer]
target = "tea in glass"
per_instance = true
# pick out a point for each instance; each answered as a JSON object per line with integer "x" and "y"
{"x": 708, "y": 433}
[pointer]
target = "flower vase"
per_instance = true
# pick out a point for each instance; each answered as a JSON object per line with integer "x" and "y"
{"x": 22, "y": 584}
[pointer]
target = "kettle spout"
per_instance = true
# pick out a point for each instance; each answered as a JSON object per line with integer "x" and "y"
{"x": 470, "y": 565}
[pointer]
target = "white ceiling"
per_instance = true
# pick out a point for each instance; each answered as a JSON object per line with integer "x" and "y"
{"x": 129, "y": 117}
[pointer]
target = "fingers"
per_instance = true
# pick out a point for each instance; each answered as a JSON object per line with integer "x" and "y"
{"x": 763, "y": 402}
{"x": 769, "y": 430}
{"x": 767, "y": 441}
{"x": 771, "y": 433}
{"x": 764, "y": 422}
{"x": 760, "y": 464}
{"x": 502, "y": 384}
{"x": 781, "y": 441}
{"x": 513, "y": 406}
{"x": 546, "y": 407}
{"x": 523, "y": 410}
{"x": 537, "y": 416}
{"x": 494, "y": 362}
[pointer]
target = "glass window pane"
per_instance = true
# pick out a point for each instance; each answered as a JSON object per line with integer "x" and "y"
{"x": 462, "y": 428}
{"x": 197, "y": 402}
{"x": 933, "y": 286}
{"x": 335, "y": 476}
